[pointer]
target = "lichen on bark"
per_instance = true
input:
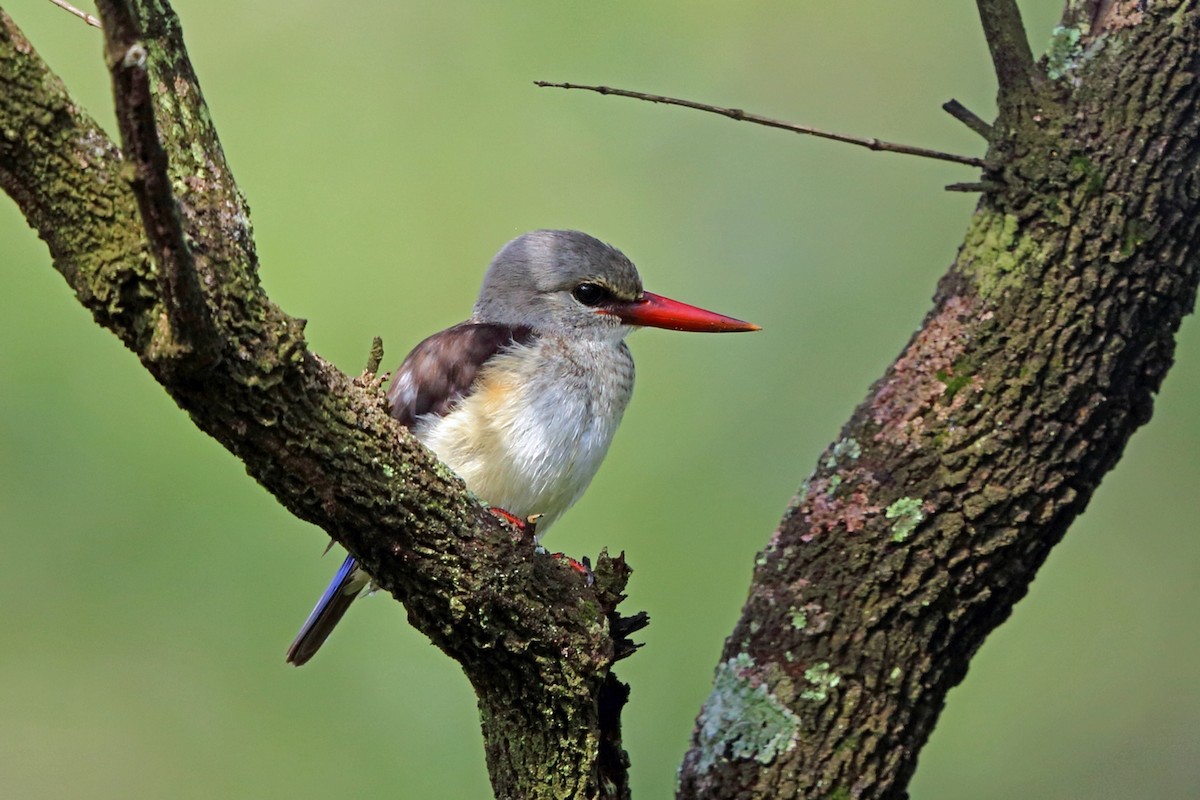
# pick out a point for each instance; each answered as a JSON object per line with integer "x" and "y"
{"x": 988, "y": 435}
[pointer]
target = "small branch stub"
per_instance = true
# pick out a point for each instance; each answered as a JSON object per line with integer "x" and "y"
{"x": 375, "y": 358}
{"x": 974, "y": 186}
{"x": 135, "y": 57}
{"x": 968, "y": 117}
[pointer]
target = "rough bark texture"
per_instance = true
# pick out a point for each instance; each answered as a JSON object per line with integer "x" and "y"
{"x": 927, "y": 520}
{"x": 534, "y": 640}
{"x": 910, "y": 542}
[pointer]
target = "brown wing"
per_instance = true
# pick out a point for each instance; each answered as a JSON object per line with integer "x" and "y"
{"x": 441, "y": 369}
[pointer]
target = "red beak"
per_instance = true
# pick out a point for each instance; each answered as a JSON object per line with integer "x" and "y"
{"x": 656, "y": 311}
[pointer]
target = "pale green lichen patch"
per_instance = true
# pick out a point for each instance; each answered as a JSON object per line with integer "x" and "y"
{"x": 847, "y": 448}
{"x": 742, "y": 719}
{"x": 1001, "y": 254}
{"x": 1065, "y": 53}
{"x": 799, "y": 619}
{"x": 821, "y": 680}
{"x": 908, "y": 514}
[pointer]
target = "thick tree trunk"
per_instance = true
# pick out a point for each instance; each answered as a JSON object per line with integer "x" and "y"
{"x": 927, "y": 520}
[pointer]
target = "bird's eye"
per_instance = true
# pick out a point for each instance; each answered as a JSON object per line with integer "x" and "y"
{"x": 590, "y": 294}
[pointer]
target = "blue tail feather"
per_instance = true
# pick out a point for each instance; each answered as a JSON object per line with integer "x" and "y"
{"x": 341, "y": 592}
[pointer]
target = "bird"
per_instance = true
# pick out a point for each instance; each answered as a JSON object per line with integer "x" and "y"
{"x": 523, "y": 398}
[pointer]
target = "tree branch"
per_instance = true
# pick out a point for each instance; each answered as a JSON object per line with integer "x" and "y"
{"x": 967, "y": 461}
{"x": 322, "y": 443}
{"x": 742, "y": 116}
{"x": 190, "y": 340}
{"x": 1009, "y": 46}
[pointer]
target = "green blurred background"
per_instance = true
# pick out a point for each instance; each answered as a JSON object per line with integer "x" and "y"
{"x": 149, "y": 588}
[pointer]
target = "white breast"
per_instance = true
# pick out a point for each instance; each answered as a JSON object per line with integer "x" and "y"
{"x": 537, "y": 424}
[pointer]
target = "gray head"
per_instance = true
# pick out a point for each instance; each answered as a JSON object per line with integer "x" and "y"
{"x": 558, "y": 280}
{"x": 569, "y": 282}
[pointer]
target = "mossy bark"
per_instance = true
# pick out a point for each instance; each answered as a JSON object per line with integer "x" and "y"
{"x": 926, "y": 522}
{"x": 129, "y": 232}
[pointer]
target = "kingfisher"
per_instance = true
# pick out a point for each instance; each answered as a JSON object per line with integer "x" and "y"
{"x": 522, "y": 400}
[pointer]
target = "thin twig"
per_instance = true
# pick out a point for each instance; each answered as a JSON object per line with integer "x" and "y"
{"x": 968, "y": 117}
{"x": 1009, "y": 46}
{"x": 741, "y": 116}
{"x": 83, "y": 15}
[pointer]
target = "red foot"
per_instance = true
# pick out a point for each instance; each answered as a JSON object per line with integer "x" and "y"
{"x": 527, "y": 526}
{"x": 584, "y": 567}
